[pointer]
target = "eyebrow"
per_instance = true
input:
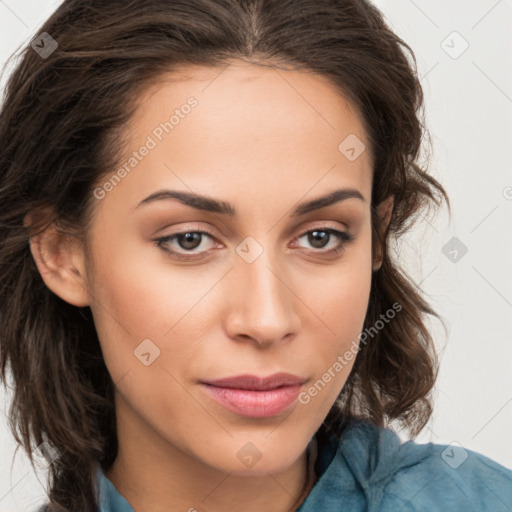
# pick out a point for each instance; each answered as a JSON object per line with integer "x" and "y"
{"x": 212, "y": 205}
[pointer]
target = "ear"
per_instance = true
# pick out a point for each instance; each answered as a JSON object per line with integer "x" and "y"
{"x": 60, "y": 260}
{"x": 384, "y": 211}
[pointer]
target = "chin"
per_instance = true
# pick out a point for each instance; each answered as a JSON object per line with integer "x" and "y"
{"x": 255, "y": 455}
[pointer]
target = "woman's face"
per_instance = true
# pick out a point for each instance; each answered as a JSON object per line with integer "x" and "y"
{"x": 254, "y": 152}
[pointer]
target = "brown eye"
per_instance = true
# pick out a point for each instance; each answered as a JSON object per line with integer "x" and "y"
{"x": 185, "y": 242}
{"x": 319, "y": 238}
{"x": 189, "y": 240}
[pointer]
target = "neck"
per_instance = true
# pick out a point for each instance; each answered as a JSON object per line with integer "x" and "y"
{"x": 153, "y": 475}
{"x": 193, "y": 490}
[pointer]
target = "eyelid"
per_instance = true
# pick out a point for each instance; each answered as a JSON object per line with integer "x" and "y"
{"x": 322, "y": 224}
{"x": 191, "y": 228}
{"x": 316, "y": 224}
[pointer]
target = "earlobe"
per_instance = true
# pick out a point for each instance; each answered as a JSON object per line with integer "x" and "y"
{"x": 60, "y": 261}
{"x": 384, "y": 210}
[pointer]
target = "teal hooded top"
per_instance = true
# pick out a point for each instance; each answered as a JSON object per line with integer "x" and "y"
{"x": 370, "y": 470}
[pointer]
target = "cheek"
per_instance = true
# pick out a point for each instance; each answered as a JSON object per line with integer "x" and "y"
{"x": 132, "y": 284}
{"x": 139, "y": 296}
{"x": 339, "y": 301}
{"x": 140, "y": 308}
{"x": 338, "y": 295}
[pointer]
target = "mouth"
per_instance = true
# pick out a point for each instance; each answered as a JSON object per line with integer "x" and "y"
{"x": 256, "y": 397}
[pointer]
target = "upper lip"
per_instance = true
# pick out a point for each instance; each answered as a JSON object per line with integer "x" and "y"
{"x": 253, "y": 382}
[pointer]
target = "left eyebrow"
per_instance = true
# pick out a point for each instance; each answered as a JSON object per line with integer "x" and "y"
{"x": 209, "y": 204}
{"x": 335, "y": 196}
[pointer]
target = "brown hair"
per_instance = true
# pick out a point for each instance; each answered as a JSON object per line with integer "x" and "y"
{"x": 59, "y": 127}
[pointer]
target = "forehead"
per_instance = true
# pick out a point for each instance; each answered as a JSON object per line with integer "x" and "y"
{"x": 252, "y": 128}
{"x": 248, "y": 92}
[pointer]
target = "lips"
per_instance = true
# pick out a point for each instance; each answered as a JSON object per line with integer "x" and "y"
{"x": 256, "y": 397}
{"x": 255, "y": 383}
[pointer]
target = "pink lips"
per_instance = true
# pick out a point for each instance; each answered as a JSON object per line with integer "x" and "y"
{"x": 257, "y": 397}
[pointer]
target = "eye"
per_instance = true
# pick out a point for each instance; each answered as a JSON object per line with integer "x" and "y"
{"x": 320, "y": 237}
{"x": 186, "y": 240}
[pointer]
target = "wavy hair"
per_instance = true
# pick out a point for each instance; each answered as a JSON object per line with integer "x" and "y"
{"x": 60, "y": 124}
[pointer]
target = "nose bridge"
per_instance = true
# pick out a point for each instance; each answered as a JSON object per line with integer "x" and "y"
{"x": 264, "y": 306}
{"x": 263, "y": 281}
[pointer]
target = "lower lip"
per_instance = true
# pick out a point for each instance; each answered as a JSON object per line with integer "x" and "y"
{"x": 255, "y": 404}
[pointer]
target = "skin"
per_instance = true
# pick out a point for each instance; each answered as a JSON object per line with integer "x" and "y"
{"x": 263, "y": 140}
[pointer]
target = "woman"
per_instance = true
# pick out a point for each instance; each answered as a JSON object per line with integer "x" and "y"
{"x": 199, "y": 308}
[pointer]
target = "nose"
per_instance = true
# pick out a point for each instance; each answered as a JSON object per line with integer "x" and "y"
{"x": 262, "y": 306}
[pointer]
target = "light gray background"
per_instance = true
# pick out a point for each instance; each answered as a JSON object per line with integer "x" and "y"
{"x": 469, "y": 111}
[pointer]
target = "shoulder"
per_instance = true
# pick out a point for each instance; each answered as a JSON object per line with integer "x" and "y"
{"x": 449, "y": 477}
{"x": 408, "y": 476}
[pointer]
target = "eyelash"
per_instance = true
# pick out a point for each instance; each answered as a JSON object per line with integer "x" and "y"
{"x": 343, "y": 236}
